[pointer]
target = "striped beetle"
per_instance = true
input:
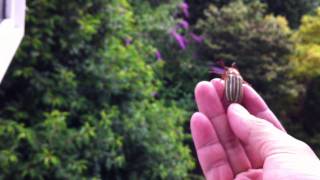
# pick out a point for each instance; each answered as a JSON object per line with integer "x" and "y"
{"x": 233, "y": 91}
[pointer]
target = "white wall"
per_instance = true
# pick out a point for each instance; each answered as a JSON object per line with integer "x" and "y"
{"x": 11, "y": 32}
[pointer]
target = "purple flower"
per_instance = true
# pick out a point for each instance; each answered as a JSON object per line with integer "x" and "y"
{"x": 185, "y": 9}
{"x": 128, "y": 41}
{"x": 197, "y": 38}
{"x": 158, "y": 55}
{"x": 179, "y": 38}
{"x": 154, "y": 94}
{"x": 184, "y": 24}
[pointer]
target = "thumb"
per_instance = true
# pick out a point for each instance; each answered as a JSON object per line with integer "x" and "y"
{"x": 261, "y": 139}
{"x": 244, "y": 124}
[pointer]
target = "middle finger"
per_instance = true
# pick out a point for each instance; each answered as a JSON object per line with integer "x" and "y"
{"x": 209, "y": 103}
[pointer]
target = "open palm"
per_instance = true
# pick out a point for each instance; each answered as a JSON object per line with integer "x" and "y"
{"x": 235, "y": 142}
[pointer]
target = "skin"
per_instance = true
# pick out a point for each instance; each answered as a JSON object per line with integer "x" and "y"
{"x": 246, "y": 141}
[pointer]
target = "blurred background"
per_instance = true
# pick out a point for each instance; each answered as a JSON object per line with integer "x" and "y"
{"x": 103, "y": 89}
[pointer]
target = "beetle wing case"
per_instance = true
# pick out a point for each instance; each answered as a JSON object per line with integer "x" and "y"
{"x": 233, "y": 88}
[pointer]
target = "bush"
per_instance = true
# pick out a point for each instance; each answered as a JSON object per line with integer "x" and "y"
{"x": 78, "y": 101}
{"x": 257, "y": 43}
{"x": 306, "y": 56}
{"x": 306, "y": 59}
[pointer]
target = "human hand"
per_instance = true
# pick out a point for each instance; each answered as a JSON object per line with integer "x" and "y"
{"x": 249, "y": 142}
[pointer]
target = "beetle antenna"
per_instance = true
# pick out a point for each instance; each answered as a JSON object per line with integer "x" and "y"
{"x": 234, "y": 65}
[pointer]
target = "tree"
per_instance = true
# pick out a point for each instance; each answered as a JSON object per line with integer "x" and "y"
{"x": 306, "y": 60}
{"x": 293, "y": 10}
{"x": 258, "y": 44}
{"x": 78, "y": 101}
{"x": 306, "y": 56}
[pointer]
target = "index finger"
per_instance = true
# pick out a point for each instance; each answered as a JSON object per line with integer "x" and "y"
{"x": 209, "y": 103}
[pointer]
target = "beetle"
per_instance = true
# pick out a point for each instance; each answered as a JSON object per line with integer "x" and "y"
{"x": 233, "y": 90}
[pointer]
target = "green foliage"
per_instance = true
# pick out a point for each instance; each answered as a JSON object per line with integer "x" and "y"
{"x": 78, "y": 103}
{"x": 258, "y": 44}
{"x": 293, "y": 10}
{"x": 158, "y": 162}
{"x": 306, "y": 57}
{"x": 86, "y": 97}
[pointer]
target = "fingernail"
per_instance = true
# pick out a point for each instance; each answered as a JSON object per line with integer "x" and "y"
{"x": 240, "y": 110}
{"x": 236, "y": 107}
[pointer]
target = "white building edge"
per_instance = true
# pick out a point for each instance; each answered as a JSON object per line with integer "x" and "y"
{"x": 12, "y": 23}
